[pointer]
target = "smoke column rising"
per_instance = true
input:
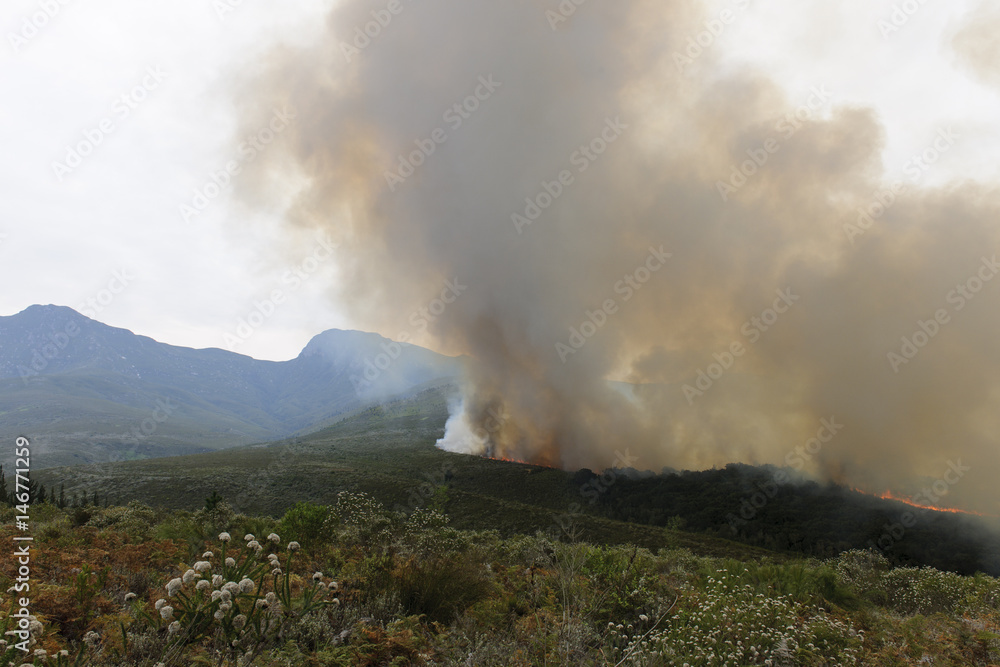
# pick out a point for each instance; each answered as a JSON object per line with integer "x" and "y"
{"x": 641, "y": 143}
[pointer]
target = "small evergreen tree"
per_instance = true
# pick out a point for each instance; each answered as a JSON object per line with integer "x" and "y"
{"x": 5, "y": 496}
{"x": 212, "y": 501}
{"x": 32, "y": 491}
{"x": 62, "y": 495}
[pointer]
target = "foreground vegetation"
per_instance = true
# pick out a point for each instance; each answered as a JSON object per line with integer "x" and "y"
{"x": 355, "y": 583}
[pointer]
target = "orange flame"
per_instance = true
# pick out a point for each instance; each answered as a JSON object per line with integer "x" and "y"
{"x": 505, "y": 459}
{"x": 889, "y": 495}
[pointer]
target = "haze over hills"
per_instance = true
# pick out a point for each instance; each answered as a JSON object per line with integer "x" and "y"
{"x": 85, "y": 391}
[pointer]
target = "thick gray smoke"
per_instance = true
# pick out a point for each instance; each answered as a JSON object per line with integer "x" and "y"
{"x": 976, "y": 43}
{"x": 616, "y": 205}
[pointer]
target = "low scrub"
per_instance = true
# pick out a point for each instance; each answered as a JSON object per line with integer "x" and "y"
{"x": 353, "y": 583}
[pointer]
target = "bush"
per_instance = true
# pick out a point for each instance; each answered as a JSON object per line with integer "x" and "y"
{"x": 440, "y": 589}
{"x": 80, "y": 517}
{"x": 305, "y": 522}
{"x": 357, "y": 519}
{"x": 135, "y": 519}
{"x": 912, "y": 590}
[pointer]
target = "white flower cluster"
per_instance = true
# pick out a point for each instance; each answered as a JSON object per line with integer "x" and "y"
{"x": 730, "y": 624}
{"x": 173, "y": 586}
{"x": 911, "y": 590}
{"x": 229, "y": 590}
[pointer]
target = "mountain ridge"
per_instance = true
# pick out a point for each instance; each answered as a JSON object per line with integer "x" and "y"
{"x": 65, "y": 377}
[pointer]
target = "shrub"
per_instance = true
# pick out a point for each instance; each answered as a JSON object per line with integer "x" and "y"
{"x": 426, "y": 535}
{"x": 441, "y": 588}
{"x": 357, "y": 519}
{"x": 81, "y": 516}
{"x": 135, "y": 519}
{"x": 925, "y": 590}
{"x": 305, "y": 522}
{"x": 861, "y": 568}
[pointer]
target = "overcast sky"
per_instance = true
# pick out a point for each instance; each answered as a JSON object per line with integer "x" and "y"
{"x": 110, "y": 229}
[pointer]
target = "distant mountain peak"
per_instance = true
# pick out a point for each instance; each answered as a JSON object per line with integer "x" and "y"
{"x": 49, "y": 310}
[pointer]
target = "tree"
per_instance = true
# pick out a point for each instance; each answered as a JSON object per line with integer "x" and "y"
{"x": 32, "y": 491}
{"x": 675, "y": 523}
{"x": 439, "y": 500}
{"x": 62, "y": 496}
{"x": 4, "y": 493}
{"x": 41, "y": 493}
{"x": 212, "y": 501}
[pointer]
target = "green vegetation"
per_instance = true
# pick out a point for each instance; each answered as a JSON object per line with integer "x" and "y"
{"x": 742, "y": 502}
{"x": 134, "y": 586}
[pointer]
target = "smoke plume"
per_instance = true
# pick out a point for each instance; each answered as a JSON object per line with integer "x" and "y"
{"x": 655, "y": 253}
{"x": 976, "y": 44}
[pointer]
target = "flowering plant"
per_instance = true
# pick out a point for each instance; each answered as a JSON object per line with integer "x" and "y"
{"x": 241, "y": 600}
